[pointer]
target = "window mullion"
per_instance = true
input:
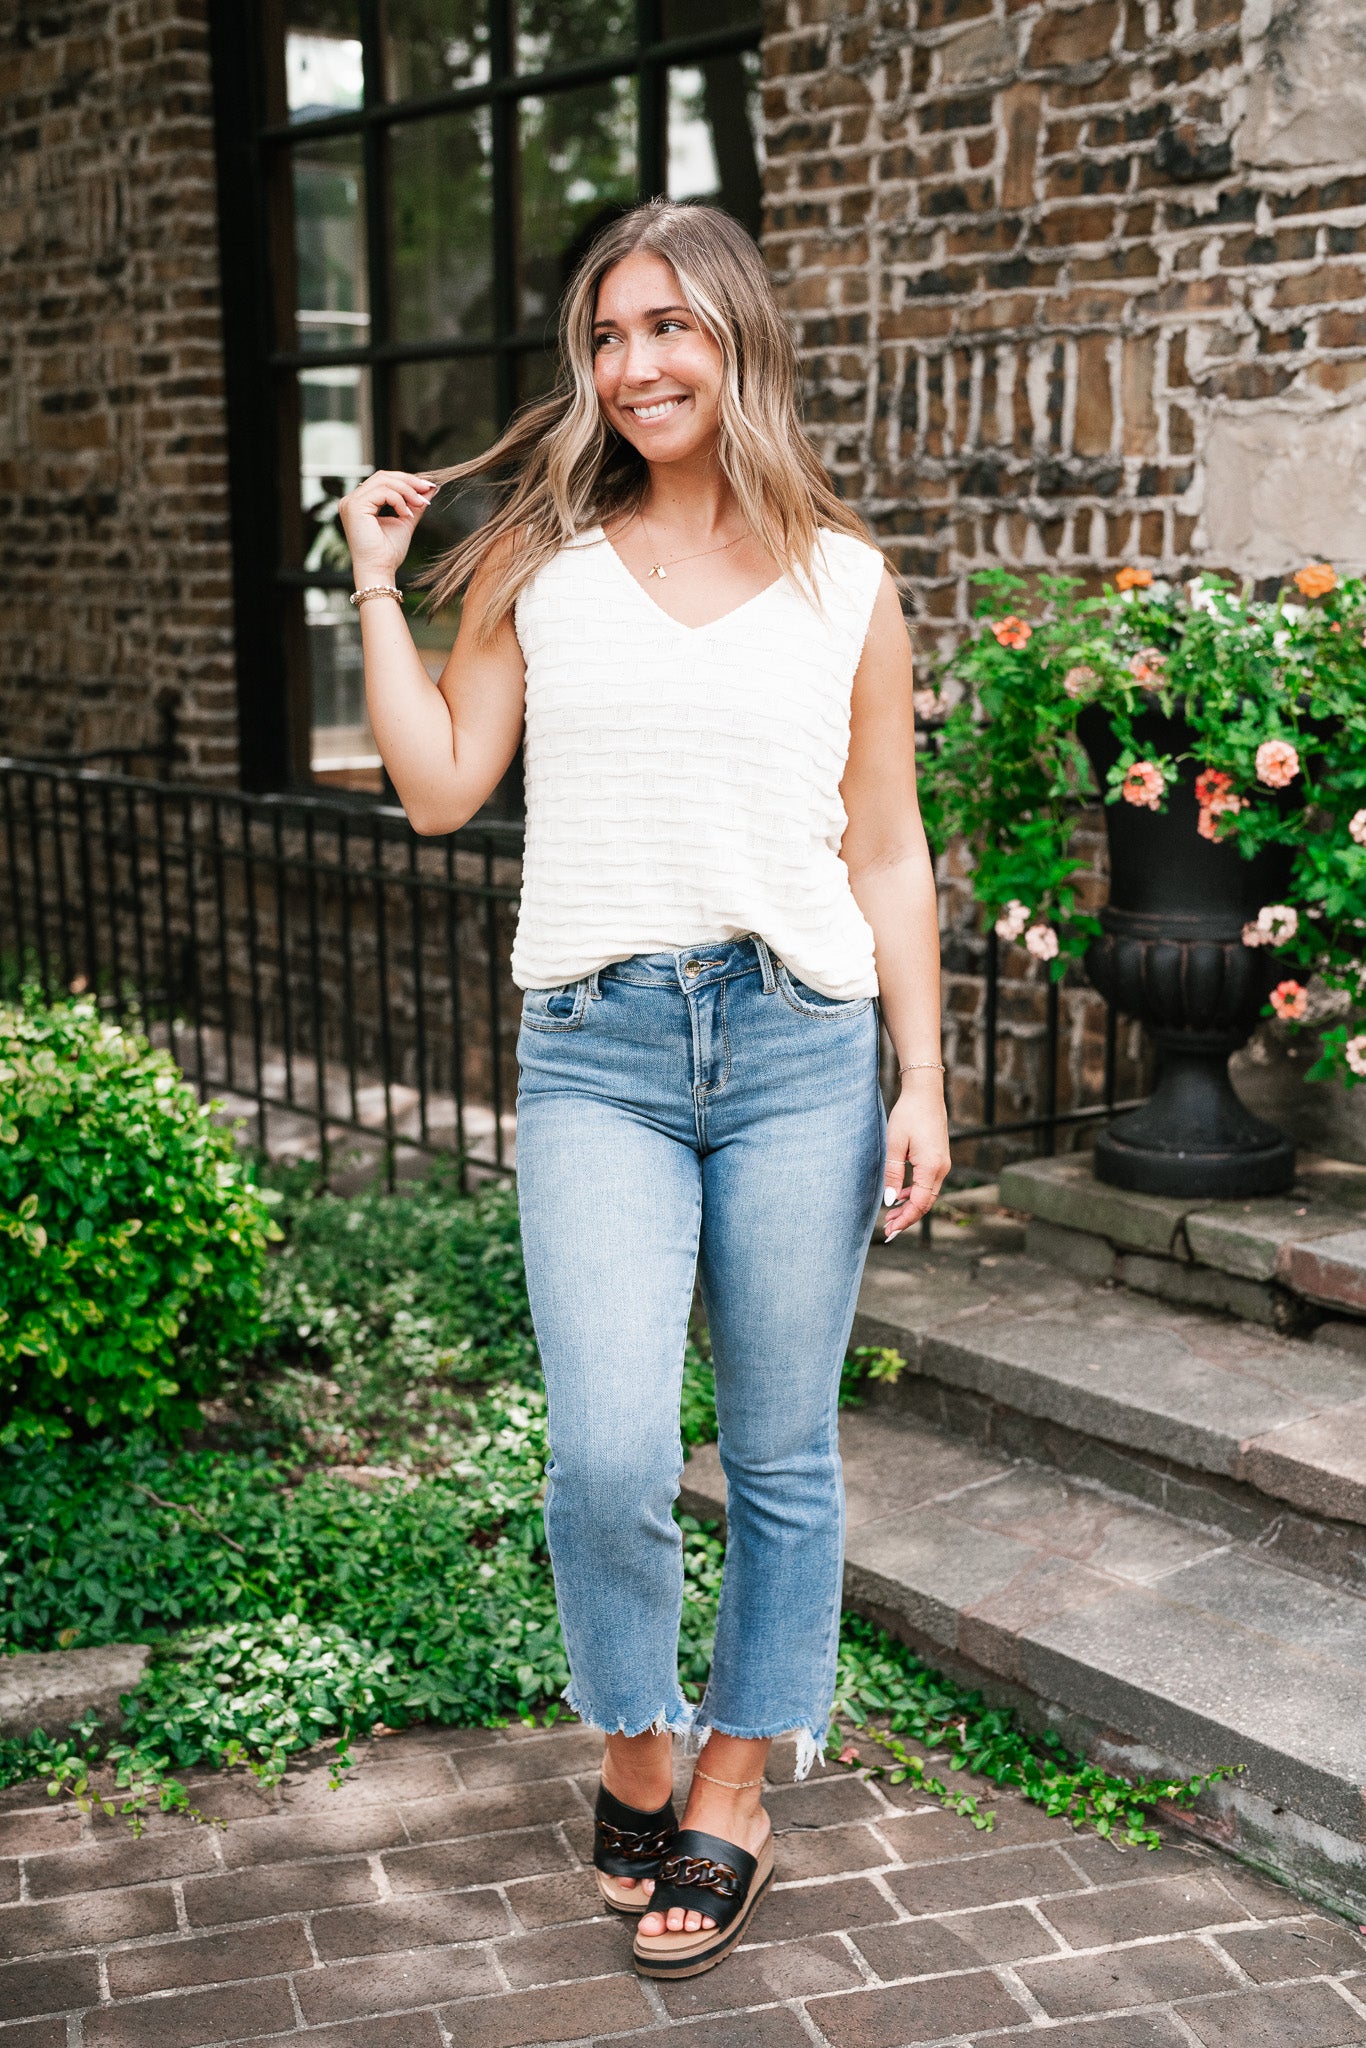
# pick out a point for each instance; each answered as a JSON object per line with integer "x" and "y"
{"x": 506, "y": 247}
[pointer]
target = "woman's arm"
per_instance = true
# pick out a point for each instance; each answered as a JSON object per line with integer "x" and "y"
{"x": 892, "y": 878}
{"x": 446, "y": 745}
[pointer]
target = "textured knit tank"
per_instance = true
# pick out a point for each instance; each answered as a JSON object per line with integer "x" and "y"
{"x": 682, "y": 782}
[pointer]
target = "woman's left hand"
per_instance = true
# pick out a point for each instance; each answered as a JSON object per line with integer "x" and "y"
{"x": 917, "y": 1151}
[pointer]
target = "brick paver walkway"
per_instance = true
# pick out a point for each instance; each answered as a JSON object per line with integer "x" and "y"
{"x": 443, "y": 1896}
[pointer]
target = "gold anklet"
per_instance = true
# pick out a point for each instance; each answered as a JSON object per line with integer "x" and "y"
{"x": 744, "y": 1785}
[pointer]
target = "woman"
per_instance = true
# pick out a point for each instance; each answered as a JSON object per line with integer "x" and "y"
{"x": 725, "y": 884}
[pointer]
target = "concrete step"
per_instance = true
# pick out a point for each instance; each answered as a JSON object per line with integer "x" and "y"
{"x": 1151, "y": 1643}
{"x": 1252, "y": 1433}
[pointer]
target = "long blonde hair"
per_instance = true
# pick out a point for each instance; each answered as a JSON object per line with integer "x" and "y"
{"x": 563, "y": 469}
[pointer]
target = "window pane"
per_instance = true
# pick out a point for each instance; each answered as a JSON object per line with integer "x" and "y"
{"x": 329, "y": 244}
{"x": 443, "y": 413}
{"x": 442, "y": 227}
{"x": 431, "y": 46}
{"x": 535, "y": 374}
{"x": 342, "y": 749}
{"x": 559, "y": 31}
{"x": 714, "y": 131}
{"x": 578, "y": 174}
{"x": 695, "y": 17}
{"x": 334, "y": 455}
{"x": 323, "y": 72}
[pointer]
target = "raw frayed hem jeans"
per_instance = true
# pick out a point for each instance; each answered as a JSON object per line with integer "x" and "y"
{"x": 700, "y": 1113}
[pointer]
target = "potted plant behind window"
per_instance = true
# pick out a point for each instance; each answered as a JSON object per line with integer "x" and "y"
{"x": 1227, "y": 738}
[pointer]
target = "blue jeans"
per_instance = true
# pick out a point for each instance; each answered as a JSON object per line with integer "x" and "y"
{"x": 679, "y": 1114}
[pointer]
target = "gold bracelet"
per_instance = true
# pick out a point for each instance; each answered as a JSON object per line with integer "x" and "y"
{"x": 934, "y": 1066}
{"x": 376, "y": 590}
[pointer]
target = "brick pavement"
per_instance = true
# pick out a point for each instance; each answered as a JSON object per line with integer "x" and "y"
{"x": 443, "y": 1896}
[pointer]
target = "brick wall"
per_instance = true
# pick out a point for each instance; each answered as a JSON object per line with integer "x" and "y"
{"x": 1073, "y": 286}
{"x": 1078, "y": 285}
{"x": 113, "y": 495}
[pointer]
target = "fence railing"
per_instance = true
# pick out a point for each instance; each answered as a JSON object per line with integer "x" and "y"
{"x": 343, "y": 982}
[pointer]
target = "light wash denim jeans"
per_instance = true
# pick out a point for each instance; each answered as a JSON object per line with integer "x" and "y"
{"x": 700, "y": 1112}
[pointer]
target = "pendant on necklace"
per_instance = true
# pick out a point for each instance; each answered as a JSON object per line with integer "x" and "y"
{"x": 657, "y": 570}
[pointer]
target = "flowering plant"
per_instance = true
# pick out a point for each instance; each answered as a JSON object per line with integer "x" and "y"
{"x": 1273, "y": 693}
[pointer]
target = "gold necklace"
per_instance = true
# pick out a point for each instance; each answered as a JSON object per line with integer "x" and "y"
{"x": 658, "y": 569}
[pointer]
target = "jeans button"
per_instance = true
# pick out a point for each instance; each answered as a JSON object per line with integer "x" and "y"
{"x": 692, "y": 967}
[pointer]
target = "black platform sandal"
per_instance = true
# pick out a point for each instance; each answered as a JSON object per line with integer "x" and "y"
{"x": 703, "y": 1874}
{"x": 629, "y": 1843}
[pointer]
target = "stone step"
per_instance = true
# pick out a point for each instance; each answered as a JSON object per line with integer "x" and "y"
{"x": 1150, "y": 1643}
{"x": 1294, "y": 1261}
{"x": 1260, "y": 1435}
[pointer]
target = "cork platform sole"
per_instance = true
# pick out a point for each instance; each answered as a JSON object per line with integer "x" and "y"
{"x": 688, "y": 1955}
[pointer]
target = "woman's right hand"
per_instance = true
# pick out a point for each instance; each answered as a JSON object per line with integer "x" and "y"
{"x": 378, "y": 546}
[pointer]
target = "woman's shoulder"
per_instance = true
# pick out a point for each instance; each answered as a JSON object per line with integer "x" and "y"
{"x": 849, "y": 555}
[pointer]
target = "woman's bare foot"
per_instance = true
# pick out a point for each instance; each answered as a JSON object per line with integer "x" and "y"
{"x": 736, "y": 1816}
{"x": 639, "y": 1769}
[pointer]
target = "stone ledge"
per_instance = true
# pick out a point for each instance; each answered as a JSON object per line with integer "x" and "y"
{"x": 1278, "y": 1260}
{"x": 48, "y": 1690}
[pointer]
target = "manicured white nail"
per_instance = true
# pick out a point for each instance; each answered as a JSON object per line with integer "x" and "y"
{"x": 889, "y": 1195}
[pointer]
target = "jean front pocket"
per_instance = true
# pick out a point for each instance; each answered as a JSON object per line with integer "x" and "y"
{"x": 555, "y": 1009}
{"x": 809, "y": 1002}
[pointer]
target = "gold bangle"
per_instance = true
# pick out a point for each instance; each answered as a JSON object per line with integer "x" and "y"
{"x": 376, "y": 590}
{"x": 935, "y": 1066}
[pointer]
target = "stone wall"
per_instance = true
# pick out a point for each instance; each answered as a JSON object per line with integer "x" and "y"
{"x": 1078, "y": 285}
{"x": 113, "y": 482}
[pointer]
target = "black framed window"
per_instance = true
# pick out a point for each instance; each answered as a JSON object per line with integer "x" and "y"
{"x": 405, "y": 187}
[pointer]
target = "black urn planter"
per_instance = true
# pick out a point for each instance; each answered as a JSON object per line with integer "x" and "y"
{"x": 1171, "y": 954}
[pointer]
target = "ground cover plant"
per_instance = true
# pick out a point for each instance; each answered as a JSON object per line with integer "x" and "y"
{"x": 353, "y": 1537}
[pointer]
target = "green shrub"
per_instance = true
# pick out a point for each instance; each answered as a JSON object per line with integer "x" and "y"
{"x": 132, "y": 1245}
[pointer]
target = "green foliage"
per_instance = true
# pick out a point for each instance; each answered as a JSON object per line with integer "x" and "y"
{"x": 291, "y": 1605}
{"x": 132, "y": 1243}
{"x": 1009, "y": 773}
{"x": 880, "y": 1677}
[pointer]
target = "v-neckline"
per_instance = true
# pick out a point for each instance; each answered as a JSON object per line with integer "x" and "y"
{"x": 708, "y": 625}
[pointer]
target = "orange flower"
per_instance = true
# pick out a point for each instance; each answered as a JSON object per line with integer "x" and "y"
{"x": 1316, "y": 579}
{"x": 1133, "y": 579}
{"x": 1012, "y": 632}
{"x": 1290, "y": 1001}
{"x": 1144, "y": 784}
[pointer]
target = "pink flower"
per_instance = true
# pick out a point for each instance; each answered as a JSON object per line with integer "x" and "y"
{"x": 1012, "y": 632}
{"x": 1279, "y": 922}
{"x": 1147, "y": 668}
{"x": 1012, "y": 920}
{"x": 1080, "y": 681}
{"x": 1277, "y": 763}
{"x": 1290, "y": 1001}
{"x": 1042, "y": 942}
{"x": 848, "y": 1755}
{"x": 1355, "y": 1049}
{"x": 1357, "y": 828}
{"x": 1144, "y": 784}
{"x": 925, "y": 703}
{"x": 1253, "y": 935}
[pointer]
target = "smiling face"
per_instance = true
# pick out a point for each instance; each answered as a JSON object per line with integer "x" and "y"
{"x": 657, "y": 373}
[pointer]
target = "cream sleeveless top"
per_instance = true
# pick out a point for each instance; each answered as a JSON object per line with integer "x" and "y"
{"x": 682, "y": 782}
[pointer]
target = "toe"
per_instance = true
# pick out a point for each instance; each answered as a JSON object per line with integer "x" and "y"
{"x": 652, "y": 1923}
{"x": 692, "y": 1923}
{"x": 676, "y": 1919}
{"x": 629, "y": 1882}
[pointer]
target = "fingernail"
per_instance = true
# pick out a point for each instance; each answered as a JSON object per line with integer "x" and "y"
{"x": 889, "y": 1196}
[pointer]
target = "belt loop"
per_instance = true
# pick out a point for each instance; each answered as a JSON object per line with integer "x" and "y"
{"x": 593, "y": 989}
{"x": 766, "y": 965}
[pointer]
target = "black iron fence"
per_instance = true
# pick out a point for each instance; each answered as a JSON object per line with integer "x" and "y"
{"x": 343, "y": 983}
